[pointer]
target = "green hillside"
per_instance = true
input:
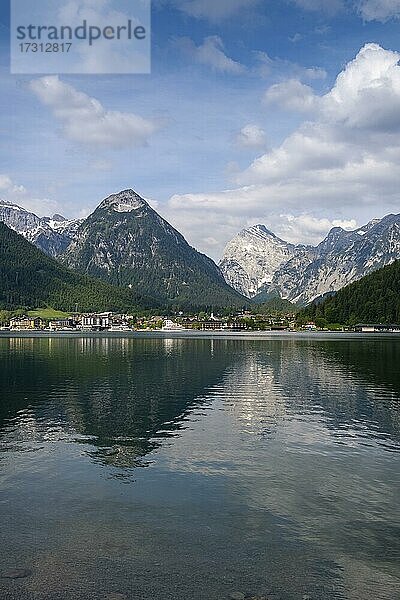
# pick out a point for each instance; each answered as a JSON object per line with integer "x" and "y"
{"x": 30, "y": 279}
{"x": 124, "y": 241}
{"x": 276, "y": 304}
{"x": 373, "y": 299}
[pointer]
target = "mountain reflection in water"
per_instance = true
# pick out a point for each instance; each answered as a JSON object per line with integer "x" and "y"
{"x": 272, "y": 467}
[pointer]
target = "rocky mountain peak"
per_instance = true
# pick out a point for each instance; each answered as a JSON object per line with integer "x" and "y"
{"x": 51, "y": 235}
{"x": 337, "y": 238}
{"x": 125, "y": 242}
{"x": 258, "y": 230}
{"x": 4, "y": 204}
{"x": 303, "y": 273}
{"x": 251, "y": 258}
{"x": 124, "y": 202}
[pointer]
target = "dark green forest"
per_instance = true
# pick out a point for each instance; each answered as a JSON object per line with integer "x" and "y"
{"x": 373, "y": 299}
{"x": 276, "y": 305}
{"x": 31, "y": 279}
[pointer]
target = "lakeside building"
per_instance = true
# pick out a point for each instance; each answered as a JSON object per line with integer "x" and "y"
{"x": 62, "y": 324}
{"x": 171, "y": 326}
{"x": 24, "y": 322}
{"x": 96, "y": 321}
{"x": 222, "y": 325}
{"x": 377, "y": 328}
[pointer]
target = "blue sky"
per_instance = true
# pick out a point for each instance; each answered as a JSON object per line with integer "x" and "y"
{"x": 242, "y": 120}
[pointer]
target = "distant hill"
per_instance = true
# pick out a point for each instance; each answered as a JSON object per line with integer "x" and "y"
{"x": 274, "y": 303}
{"x": 373, "y": 299}
{"x": 31, "y": 279}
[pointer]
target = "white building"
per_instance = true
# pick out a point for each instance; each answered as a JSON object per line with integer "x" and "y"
{"x": 96, "y": 322}
{"x": 171, "y": 326}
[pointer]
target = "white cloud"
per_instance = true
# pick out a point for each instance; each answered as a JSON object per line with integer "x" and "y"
{"x": 379, "y": 10}
{"x": 5, "y": 182}
{"x": 310, "y": 228}
{"x": 212, "y": 54}
{"x": 369, "y": 10}
{"x": 9, "y": 187}
{"x": 215, "y": 10}
{"x": 366, "y": 95}
{"x": 266, "y": 66}
{"x": 86, "y": 121}
{"x": 340, "y": 164}
{"x": 251, "y": 136}
{"x": 18, "y": 194}
{"x": 291, "y": 95}
{"x": 354, "y": 125}
{"x": 108, "y": 56}
{"x": 228, "y": 212}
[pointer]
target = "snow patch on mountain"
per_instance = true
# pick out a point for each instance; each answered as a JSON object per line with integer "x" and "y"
{"x": 52, "y": 235}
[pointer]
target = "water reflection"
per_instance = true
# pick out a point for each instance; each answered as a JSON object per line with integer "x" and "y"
{"x": 115, "y": 393}
{"x": 120, "y": 394}
{"x": 273, "y": 466}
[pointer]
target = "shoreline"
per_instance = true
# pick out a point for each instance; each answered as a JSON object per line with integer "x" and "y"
{"x": 187, "y": 334}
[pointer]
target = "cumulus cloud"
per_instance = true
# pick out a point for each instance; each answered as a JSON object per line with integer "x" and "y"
{"x": 214, "y": 10}
{"x": 340, "y": 163}
{"x": 366, "y": 95}
{"x": 86, "y": 121}
{"x": 229, "y": 211}
{"x": 379, "y": 10}
{"x": 211, "y": 53}
{"x": 291, "y": 95}
{"x": 355, "y": 123}
{"x": 251, "y": 136}
{"x": 310, "y": 228}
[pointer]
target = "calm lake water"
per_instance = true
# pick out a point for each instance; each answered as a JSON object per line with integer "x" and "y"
{"x": 193, "y": 469}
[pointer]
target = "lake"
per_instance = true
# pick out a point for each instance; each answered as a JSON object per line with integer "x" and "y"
{"x": 201, "y": 468}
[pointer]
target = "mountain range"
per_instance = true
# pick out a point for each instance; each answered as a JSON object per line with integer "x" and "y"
{"x": 52, "y": 235}
{"x": 258, "y": 263}
{"x": 126, "y": 243}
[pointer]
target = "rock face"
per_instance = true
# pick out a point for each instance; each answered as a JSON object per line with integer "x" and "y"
{"x": 125, "y": 242}
{"x": 341, "y": 258}
{"x": 51, "y": 235}
{"x": 251, "y": 259}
